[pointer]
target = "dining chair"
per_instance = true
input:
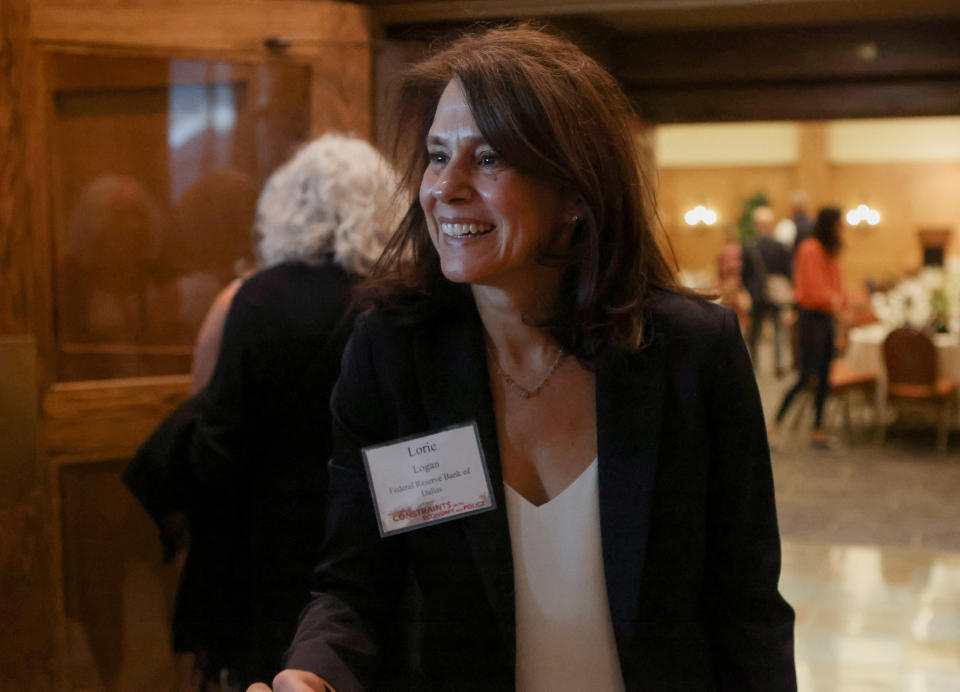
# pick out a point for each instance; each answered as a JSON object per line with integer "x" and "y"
{"x": 910, "y": 358}
{"x": 846, "y": 383}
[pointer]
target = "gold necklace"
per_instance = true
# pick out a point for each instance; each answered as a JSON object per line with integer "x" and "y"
{"x": 523, "y": 391}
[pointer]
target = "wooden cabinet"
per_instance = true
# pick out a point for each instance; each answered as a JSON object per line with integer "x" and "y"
{"x": 144, "y": 130}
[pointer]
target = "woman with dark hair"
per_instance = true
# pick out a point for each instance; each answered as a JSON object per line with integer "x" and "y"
{"x": 818, "y": 291}
{"x": 626, "y": 536}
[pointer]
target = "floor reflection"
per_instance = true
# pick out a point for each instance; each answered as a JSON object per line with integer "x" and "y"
{"x": 874, "y": 617}
{"x": 871, "y": 552}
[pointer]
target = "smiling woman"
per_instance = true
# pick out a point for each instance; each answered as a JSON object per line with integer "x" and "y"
{"x": 487, "y": 220}
{"x": 624, "y": 535}
{"x": 549, "y": 134}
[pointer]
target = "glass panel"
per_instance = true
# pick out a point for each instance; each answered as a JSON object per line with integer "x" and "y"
{"x": 157, "y": 164}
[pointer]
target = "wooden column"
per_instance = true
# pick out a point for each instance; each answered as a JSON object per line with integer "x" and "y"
{"x": 340, "y": 90}
{"x": 15, "y": 260}
{"x": 26, "y": 581}
{"x": 813, "y": 165}
{"x": 390, "y": 59}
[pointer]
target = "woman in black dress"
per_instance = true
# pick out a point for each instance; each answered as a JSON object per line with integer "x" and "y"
{"x": 244, "y": 459}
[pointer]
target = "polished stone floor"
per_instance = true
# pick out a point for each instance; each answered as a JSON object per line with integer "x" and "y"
{"x": 871, "y": 553}
{"x": 873, "y": 617}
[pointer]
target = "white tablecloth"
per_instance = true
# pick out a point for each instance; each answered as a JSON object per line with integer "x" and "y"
{"x": 865, "y": 354}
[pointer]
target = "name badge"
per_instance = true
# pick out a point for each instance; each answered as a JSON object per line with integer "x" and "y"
{"x": 428, "y": 479}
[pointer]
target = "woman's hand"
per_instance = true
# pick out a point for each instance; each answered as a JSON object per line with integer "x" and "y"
{"x": 291, "y": 680}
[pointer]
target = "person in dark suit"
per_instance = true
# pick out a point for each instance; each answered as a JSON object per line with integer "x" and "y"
{"x": 633, "y": 544}
{"x": 801, "y": 221}
{"x": 244, "y": 459}
{"x": 764, "y": 261}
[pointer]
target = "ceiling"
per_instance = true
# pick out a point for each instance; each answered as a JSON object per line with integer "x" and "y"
{"x": 716, "y": 60}
{"x": 646, "y": 15}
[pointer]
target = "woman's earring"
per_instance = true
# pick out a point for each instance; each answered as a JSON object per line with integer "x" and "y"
{"x": 574, "y": 219}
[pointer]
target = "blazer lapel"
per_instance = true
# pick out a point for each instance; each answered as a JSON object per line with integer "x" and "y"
{"x": 630, "y": 391}
{"x": 451, "y": 366}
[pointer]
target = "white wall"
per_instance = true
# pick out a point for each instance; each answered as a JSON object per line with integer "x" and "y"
{"x": 726, "y": 144}
{"x": 887, "y": 140}
{"x": 894, "y": 140}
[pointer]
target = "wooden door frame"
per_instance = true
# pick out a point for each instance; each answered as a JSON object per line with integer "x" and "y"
{"x": 105, "y": 420}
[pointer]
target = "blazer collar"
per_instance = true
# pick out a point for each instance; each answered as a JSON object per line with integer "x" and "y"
{"x": 452, "y": 371}
{"x": 630, "y": 392}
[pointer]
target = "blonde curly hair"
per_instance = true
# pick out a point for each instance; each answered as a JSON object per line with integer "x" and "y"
{"x": 336, "y": 197}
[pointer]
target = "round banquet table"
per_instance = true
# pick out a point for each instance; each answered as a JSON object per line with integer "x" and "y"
{"x": 865, "y": 354}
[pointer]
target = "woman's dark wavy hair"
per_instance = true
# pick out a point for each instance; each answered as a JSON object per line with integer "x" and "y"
{"x": 826, "y": 229}
{"x": 551, "y": 112}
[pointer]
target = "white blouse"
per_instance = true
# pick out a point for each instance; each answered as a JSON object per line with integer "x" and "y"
{"x": 565, "y": 635}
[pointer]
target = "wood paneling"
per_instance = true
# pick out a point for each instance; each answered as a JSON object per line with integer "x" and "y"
{"x": 723, "y": 190}
{"x": 16, "y": 273}
{"x": 813, "y": 168}
{"x": 340, "y": 90}
{"x": 811, "y": 72}
{"x": 909, "y": 196}
{"x": 39, "y": 176}
{"x": 790, "y": 54}
{"x": 638, "y": 15}
{"x": 797, "y": 101}
{"x": 390, "y": 58}
{"x": 118, "y": 595}
{"x": 18, "y": 419}
{"x": 235, "y": 25}
{"x": 91, "y": 421}
{"x": 26, "y": 658}
{"x": 698, "y": 14}
{"x": 815, "y": 72}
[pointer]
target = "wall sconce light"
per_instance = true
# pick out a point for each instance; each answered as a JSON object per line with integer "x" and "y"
{"x": 700, "y": 214}
{"x": 863, "y": 213}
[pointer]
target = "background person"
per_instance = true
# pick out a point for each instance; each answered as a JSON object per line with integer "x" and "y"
{"x": 818, "y": 287}
{"x": 244, "y": 459}
{"x": 730, "y": 277}
{"x": 801, "y": 221}
{"x": 766, "y": 273}
{"x": 634, "y": 542}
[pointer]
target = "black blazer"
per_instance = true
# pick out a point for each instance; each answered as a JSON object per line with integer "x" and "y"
{"x": 245, "y": 458}
{"x": 689, "y": 532}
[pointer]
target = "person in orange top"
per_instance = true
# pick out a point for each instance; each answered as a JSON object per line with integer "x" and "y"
{"x": 818, "y": 291}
